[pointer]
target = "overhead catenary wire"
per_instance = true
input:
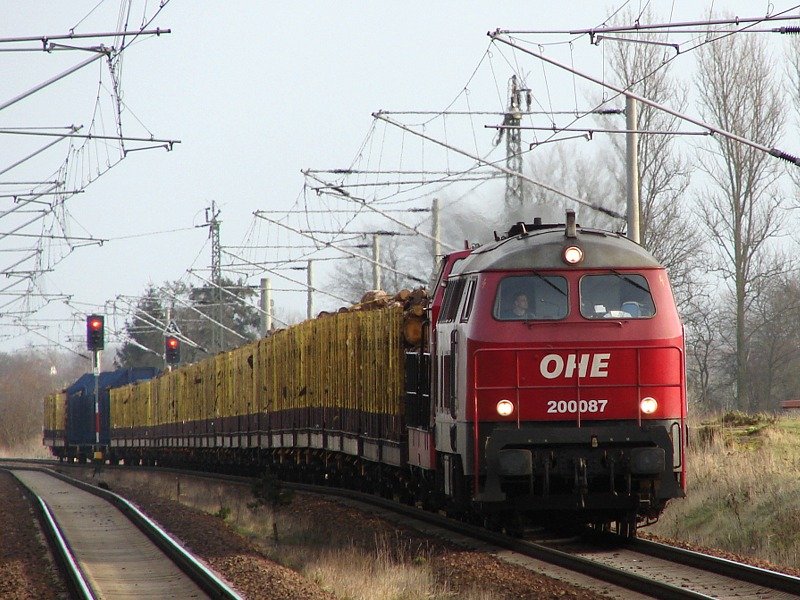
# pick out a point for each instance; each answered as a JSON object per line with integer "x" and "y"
{"x": 75, "y": 36}
{"x": 91, "y": 136}
{"x": 84, "y": 162}
{"x": 343, "y": 249}
{"x": 73, "y": 128}
{"x": 342, "y": 211}
{"x": 386, "y": 171}
{"x": 591, "y": 130}
{"x": 52, "y": 80}
{"x": 592, "y": 205}
{"x": 238, "y": 298}
{"x": 193, "y": 308}
{"x": 497, "y": 113}
{"x": 637, "y": 27}
{"x": 283, "y": 263}
{"x": 156, "y": 323}
{"x": 461, "y": 177}
{"x": 282, "y": 276}
{"x": 363, "y": 202}
{"x": 626, "y": 92}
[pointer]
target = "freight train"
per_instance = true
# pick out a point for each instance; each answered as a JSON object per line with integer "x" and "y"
{"x": 550, "y": 383}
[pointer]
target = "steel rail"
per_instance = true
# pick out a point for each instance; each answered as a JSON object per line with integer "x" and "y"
{"x": 764, "y": 577}
{"x": 65, "y": 559}
{"x": 199, "y": 573}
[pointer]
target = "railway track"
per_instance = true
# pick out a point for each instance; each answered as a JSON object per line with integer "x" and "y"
{"x": 640, "y": 567}
{"x": 637, "y": 569}
{"x": 707, "y": 575}
{"x": 109, "y": 549}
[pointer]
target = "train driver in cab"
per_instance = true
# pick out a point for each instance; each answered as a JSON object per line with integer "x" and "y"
{"x": 519, "y": 309}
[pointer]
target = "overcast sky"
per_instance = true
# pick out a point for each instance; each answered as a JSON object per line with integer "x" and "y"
{"x": 254, "y": 92}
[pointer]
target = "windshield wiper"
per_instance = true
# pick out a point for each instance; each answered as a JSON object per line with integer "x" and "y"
{"x": 550, "y": 283}
{"x": 631, "y": 281}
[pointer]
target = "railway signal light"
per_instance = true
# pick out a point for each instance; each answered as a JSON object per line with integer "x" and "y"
{"x": 95, "y": 332}
{"x": 172, "y": 350}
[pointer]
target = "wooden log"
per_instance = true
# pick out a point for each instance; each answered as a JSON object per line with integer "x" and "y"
{"x": 417, "y": 310}
{"x": 412, "y": 331}
{"x": 403, "y": 295}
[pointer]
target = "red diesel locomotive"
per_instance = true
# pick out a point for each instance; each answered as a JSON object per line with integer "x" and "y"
{"x": 551, "y": 384}
{"x": 558, "y": 378}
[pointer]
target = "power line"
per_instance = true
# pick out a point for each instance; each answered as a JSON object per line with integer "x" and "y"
{"x": 591, "y": 130}
{"x": 598, "y": 111}
{"x": 716, "y": 130}
{"x": 592, "y": 205}
{"x": 362, "y": 202}
{"x": 637, "y": 27}
{"x": 75, "y": 36}
{"x": 342, "y": 249}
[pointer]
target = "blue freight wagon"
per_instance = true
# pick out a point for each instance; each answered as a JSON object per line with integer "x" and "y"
{"x": 81, "y": 421}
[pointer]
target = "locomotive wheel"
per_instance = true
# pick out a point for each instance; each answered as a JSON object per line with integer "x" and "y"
{"x": 626, "y": 527}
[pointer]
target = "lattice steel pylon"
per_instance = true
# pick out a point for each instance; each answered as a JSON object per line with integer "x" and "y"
{"x": 516, "y": 191}
{"x": 217, "y": 333}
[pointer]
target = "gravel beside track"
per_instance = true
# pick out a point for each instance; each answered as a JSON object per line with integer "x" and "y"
{"x": 241, "y": 562}
{"x": 26, "y": 568}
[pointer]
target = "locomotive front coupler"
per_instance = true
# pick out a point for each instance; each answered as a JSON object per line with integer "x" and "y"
{"x": 509, "y": 452}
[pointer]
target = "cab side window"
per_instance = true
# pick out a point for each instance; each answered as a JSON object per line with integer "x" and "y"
{"x": 467, "y": 310}
{"x": 452, "y": 298}
{"x": 616, "y": 296}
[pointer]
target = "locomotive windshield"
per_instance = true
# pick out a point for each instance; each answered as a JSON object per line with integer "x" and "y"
{"x": 531, "y": 297}
{"x": 616, "y": 296}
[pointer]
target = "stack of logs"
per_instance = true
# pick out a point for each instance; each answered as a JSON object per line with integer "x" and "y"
{"x": 414, "y": 302}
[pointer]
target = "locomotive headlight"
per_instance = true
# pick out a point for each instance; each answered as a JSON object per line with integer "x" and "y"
{"x": 648, "y": 405}
{"x": 573, "y": 255}
{"x": 505, "y": 408}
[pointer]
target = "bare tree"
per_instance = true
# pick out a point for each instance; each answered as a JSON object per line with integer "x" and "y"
{"x": 773, "y": 337}
{"x": 408, "y": 259}
{"x": 666, "y": 227}
{"x": 26, "y": 377}
{"x": 567, "y": 167}
{"x": 741, "y": 206}
{"x": 704, "y": 321}
{"x": 793, "y": 59}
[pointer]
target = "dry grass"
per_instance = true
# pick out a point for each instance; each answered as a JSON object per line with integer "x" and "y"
{"x": 744, "y": 491}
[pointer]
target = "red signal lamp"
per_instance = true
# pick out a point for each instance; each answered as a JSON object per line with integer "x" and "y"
{"x": 172, "y": 350}
{"x": 95, "y": 333}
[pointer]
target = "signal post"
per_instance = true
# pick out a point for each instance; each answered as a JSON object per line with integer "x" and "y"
{"x": 95, "y": 342}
